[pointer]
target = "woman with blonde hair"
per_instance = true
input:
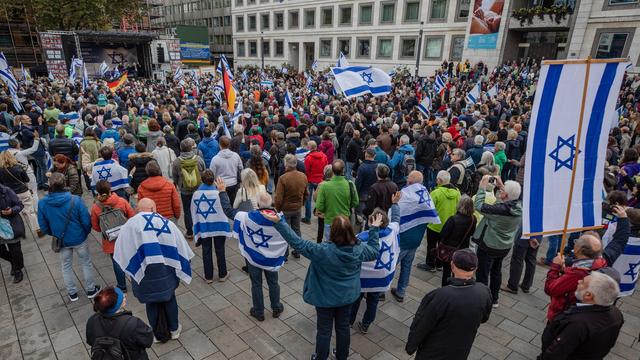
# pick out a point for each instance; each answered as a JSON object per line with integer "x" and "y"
{"x": 249, "y": 189}
{"x": 13, "y": 176}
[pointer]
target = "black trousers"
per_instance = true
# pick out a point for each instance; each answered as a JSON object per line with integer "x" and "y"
{"x": 523, "y": 255}
{"x": 433, "y": 238}
{"x": 232, "y": 191}
{"x": 13, "y": 254}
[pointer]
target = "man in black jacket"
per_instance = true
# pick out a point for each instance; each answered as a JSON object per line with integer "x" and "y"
{"x": 425, "y": 152}
{"x": 589, "y": 329}
{"x": 63, "y": 145}
{"x": 448, "y": 318}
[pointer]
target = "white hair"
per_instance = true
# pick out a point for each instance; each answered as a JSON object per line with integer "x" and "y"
{"x": 512, "y": 189}
{"x": 499, "y": 145}
{"x": 478, "y": 140}
{"x": 444, "y": 177}
{"x": 404, "y": 139}
{"x": 237, "y": 129}
{"x": 264, "y": 199}
{"x": 604, "y": 289}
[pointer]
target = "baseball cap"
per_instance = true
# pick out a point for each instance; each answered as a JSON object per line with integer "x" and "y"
{"x": 465, "y": 259}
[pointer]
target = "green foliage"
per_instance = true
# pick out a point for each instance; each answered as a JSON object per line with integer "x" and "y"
{"x": 556, "y": 13}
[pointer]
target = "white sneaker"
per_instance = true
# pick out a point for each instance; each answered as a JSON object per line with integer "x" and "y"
{"x": 494, "y": 305}
{"x": 176, "y": 334}
{"x": 155, "y": 341}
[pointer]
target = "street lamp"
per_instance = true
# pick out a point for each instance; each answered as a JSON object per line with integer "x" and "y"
{"x": 419, "y": 49}
{"x": 262, "y": 49}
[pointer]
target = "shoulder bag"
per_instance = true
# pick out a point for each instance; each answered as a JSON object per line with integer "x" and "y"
{"x": 56, "y": 242}
{"x": 445, "y": 252}
{"x": 245, "y": 205}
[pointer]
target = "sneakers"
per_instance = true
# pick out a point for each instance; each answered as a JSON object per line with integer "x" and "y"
{"x": 295, "y": 254}
{"x": 245, "y": 269}
{"x": 526, "y": 291}
{"x": 278, "y": 311}
{"x": 426, "y": 267}
{"x": 394, "y": 293}
{"x": 223, "y": 278}
{"x": 495, "y": 305}
{"x": 306, "y": 221}
{"x": 176, "y": 334}
{"x": 73, "y": 297}
{"x": 253, "y": 313}
{"x": 382, "y": 297}
{"x": 18, "y": 276}
{"x": 92, "y": 294}
{"x": 209, "y": 281}
{"x": 362, "y": 327}
{"x": 506, "y": 288}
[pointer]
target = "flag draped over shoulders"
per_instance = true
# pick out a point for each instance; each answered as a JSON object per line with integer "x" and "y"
{"x": 208, "y": 217}
{"x": 260, "y": 243}
{"x": 628, "y": 263}
{"x": 416, "y": 207}
{"x": 376, "y": 275}
{"x": 111, "y": 171}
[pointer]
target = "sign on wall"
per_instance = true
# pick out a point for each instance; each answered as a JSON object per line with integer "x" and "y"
{"x": 54, "y": 54}
{"x": 485, "y": 24}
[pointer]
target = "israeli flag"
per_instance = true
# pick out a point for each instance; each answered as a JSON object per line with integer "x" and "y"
{"x": 628, "y": 264}
{"x": 225, "y": 129}
{"x": 4, "y": 141}
{"x": 474, "y": 95}
{"x": 392, "y": 73}
{"x": 178, "y": 75}
{"x": 616, "y": 117}
{"x": 284, "y": 70}
{"x": 148, "y": 238}
{"x": 377, "y": 275}
{"x": 314, "y": 66}
{"x": 14, "y": 98}
{"x": 223, "y": 60}
{"x": 245, "y": 76}
{"x": 51, "y": 77}
{"x": 301, "y": 153}
{"x": 85, "y": 78}
{"x": 6, "y": 74}
{"x": 104, "y": 68}
{"x": 553, "y": 144}
{"x": 238, "y": 113}
{"x": 111, "y": 171}
{"x": 206, "y": 211}
{"x": 416, "y": 207}
{"x": 116, "y": 72}
{"x": 267, "y": 83}
{"x": 309, "y": 79}
{"x": 425, "y": 105}
{"x": 117, "y": 123}
{"x": 75, "y": 62}
{"x": 342, "y": 61}
{"x": 493, "y": 92}
{"x": 71, "y": 117}
{"x": 288, "y": 102}
{"x": 439, "y": 85}
{"x": 25, "y": 74}
{"x": 260, "y": 243}
{"x": 359, "y": 80}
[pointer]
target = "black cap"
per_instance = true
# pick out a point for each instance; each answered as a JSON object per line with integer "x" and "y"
{"x": 465, "y": 260}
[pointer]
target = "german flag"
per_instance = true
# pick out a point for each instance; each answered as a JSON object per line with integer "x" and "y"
{"x": 229, "y": 90}
{"x": 117, "y": 83}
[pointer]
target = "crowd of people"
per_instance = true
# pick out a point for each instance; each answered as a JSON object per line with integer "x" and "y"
{"x": 377, "y": 175}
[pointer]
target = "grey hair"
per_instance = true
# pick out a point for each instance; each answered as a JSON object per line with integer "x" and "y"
{"x": 264, "y": 200}
{"x": 459, "y": 153}
{"x": 487, "y": 158}
{"x": 604, "y": 289}
{"x": 465, "y": 206}
{"x": 513, "y": 189}
{"x": 187, "y": 145}
{"x": 404, "y": 139}
{"x": 500, "y": 145}
{"x": 290, "y": 161}
{"x": 478, "y": 140}
{"x": 444, "y": 177}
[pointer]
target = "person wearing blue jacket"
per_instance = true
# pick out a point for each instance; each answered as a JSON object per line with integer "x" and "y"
{"x": 396, "y": 163}
{"x": 332, "y": 283}
{"x": 208, "y": 146}
{"x": 65, "y": 216}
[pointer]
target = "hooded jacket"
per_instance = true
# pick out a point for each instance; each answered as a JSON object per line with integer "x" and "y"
{"x": 177, "y": 175}
{"x": 52, "y": 216}
{"x": 426, "y": 151}
{"x": 475, "y": 153}
{"x": 445, "y": 198}
{"x": 9, "y": 200}
{"x": 164, "y": 193}
{"x": 152, "y": 139}
{"x": 115, "y": 202}
{"x": 499, "y": 225}
{"x": 139, "y": 161}
{"x": 227, "y": 165}
{"x": 314, "y": 164}
{"x": 326, "y": 146}
{"x": 136, "y": 336}
{"x": 209, "y": 148}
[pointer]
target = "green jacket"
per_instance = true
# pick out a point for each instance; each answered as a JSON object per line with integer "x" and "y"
{"x": 333, "y": 278}
{"x": 445, "y": 198}
{"x": 500, "y": 222}
{"x": 500, "y": 158}
{"x": 336, "y": 198}
{"x": 89, "y": 150}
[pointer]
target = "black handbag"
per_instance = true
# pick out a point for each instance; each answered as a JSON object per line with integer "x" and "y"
{"x": 56, "y": 242}
{"x": 445, "y": 252}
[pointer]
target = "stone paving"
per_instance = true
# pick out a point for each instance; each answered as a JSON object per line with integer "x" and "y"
{"x": 37, "y": 321}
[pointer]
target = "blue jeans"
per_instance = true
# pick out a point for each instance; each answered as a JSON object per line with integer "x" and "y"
{"x": 372, "y": 307}
{"x": 255, "y": 274}
{"x": 347, "y": 170}
{"x": 307, "y": 205}
{"x": 554, "y": 246}
{"x": 66, "y": 261}
{"x": 41, "y": 171}
{"x": 121, "y": 280}
{"x": 207, "y": 256}
{"x": 327, "y": 231}
{"x": 325, "y": 319}
{"x": 406, "y": 261}
{"x": 171, "y": 310}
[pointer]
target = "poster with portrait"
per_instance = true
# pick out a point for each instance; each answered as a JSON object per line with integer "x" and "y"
{"x": 485, "y": 24}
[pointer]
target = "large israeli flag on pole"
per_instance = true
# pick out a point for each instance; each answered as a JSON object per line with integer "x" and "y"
{"x": 474, "y": 95}
{"x": 342, "y": 60}
{"x": 288, "y": 102}
{"x": 103, "y": 68}
{"x": 425, "y": 105}
{"x": 555, "y": 137}
{"x": 223, "y": 60}
{"x": 439, "y": 85}
{"x": 359, "y": 80}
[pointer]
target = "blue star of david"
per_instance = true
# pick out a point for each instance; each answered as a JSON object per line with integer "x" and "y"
{"x": 422, "y": 199}
{"x": 260, "y": 232}
{"x": 149, "y": 226}
{"x": 381, "y": 264}
{"x": 555, "y": 154}
{"x": 632, "y": 271}
{"x": 209, "y": 202}
{"x": 104, "y": 173}
{"x": 367, "y": 77}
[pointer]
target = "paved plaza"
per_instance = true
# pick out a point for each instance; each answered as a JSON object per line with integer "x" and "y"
{"x": 37, "y": 320}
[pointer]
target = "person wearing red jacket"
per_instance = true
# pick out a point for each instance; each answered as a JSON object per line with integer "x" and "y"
{"x": 161, "y": 191}
{"x": 314, "y": 164}
{"x": 562, "y": 280}
{"x": 106, "y": 198}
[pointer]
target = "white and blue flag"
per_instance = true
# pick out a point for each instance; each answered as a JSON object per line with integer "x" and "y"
{"x": 616, "y": 116}
{"x": 267, "y": 83}
{"x": 4, "y": 141}
{"x": 85, "y": 77}
{"x": 260, "y": 243}
{"x": 206, "y": 211}
{"x": 474, "y": 95}
{"x": 309, "y": 79}
{"x": 51, "y": 77}
{"x": 301, "y": 153}
{"x": 104, "y": 68}
{"x": 493, "y": 92}
{"x": 628, "y": 264}
{"x": 75, "y": 63}
{"x": 71, "y": 117}
{"x": 377, "y": 275}
{"x": 416, "y": 207}
{"x": 223, "y": 61}
{"x": 342, "y": 61}
{"x": 359, "y": 80}
{"x": 314, "y": 66}
{"x": 425, "y": 106}
{"x": 284, "y": 70}
{"x": 178, "y": 75}
{"x": 439, "y": 85}
{"x": 288, "y": 101}
{"x": 245, "y": 76}
{"x": 553, "y": 142}
{"x": 111, "y": 171}
{"x": 149, "y": 238}
{"x": 25, "y": 74}
{"x": 6, "y": 75}
{"x": 15, "y": 100}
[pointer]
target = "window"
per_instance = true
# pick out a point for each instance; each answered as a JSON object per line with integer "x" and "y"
{"x": 344, "y": 46}
{"x": 264, "y": 22}
{"x": 278, "y": 21}
{"x": 408, "y": 49}
{"x": 327, "y": 16}
{"x": 227, "y": 40}
{"x": 251, "y": 2}
{"x": 345, "y": 15}
{"x": 239, "y": 23}
{"x": 294, "y": 19}
{"x": 325, "y": 48}
{"x": 252, "y": 23}
{"x": 264, "y": 1}
{"x": 310, "y": 18}
{"x": 617, "y": 4}
{"x": 612, "y": 43}
{"x": 240, "y": 49}
{"x": 438, "y": 10}
{"x": 266, "y": 48}
{"x": 365, "y": 14}
{"x": 387, "y": 13}
{"x": 279, "y": 48}
{"x": 253, "y": 48}
{"x": 412, "y": 11}
{"x": 462, "y": 13}
{"x": 433, "y": 47}
{"x": 216, "y": 21}
{"x": 457, "y": 45}
{"x": 239, "y": 2}
{"x": 364, "y": 48}
{"x": 385, "y": 47}
{"x": 227, "y": 21}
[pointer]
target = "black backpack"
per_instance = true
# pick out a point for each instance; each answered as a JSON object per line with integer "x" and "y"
{"x": 108, "y": 346}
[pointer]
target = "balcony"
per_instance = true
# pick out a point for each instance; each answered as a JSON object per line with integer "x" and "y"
{"x": 540, "y": 18}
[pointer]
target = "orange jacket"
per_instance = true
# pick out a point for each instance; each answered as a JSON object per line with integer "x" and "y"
{"x": 114, "y": 201}
{"x": 164, "y": 193}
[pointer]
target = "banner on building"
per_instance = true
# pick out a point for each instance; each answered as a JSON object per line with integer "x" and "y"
{"x": 194, "y": 44}
{"x": 485, "y": 24}
{"x": 174, "y": 54}
{"x": 54, "y": 55}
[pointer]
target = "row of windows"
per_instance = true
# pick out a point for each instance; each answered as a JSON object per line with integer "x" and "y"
{"x": 432, "y": 50}
{"x": 388, "y": 15}
{"x": 221, "y": 39}
{"x": 194, "y": 6}
{"x": 215, "y": 21}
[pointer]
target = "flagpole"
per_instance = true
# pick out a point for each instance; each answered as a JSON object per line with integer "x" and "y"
{"x": 576, "y": 155}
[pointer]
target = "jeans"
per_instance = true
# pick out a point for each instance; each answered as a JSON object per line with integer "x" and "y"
{"x": 123, "y": 194}
{"x": 121, "y": 280}
{"x": 207, "y": 256}
{"x": 255, "y": 274}
{"x": 326, "y": 232}
{"x": 490, "y": 272}
{"x": 171, "y": 310}
{"x": 554, "y": 246}
{"x": 348, "y": 169}
{"x": 307, "y": 205}
{"x": 433, "y": 238}
{"x": 405, "y": 259}
{"x": 66, "y": 261}
{"x": 41, "y": 171}
{"x": 523, "y": 254}
{"x": 186, "y": 209}
{"x": 372, "y": 307}
{"x": 325, "y": 321}
{"x": 13, "y": 254}
{"x": 29, "y": 211}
